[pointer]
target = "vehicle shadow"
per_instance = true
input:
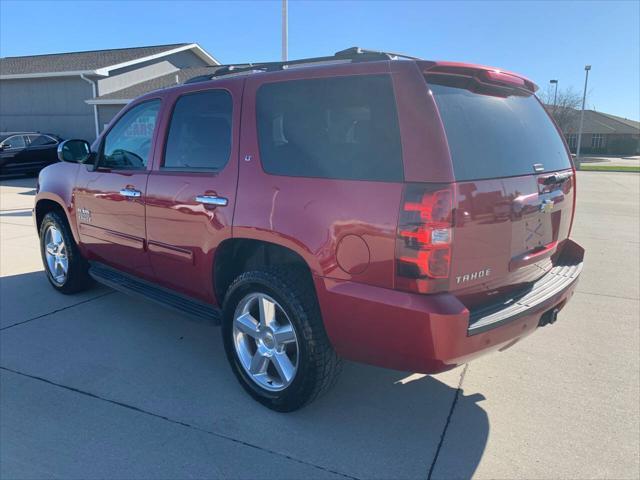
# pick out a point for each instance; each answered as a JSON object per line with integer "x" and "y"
{"x": 375, "y": 423}
{"x": 19, "y": 213}
{"x": 18, "y": 181}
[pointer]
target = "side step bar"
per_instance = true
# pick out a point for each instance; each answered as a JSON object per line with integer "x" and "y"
{"x": 131, "y": 285}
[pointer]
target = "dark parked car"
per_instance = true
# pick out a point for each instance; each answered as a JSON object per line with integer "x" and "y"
{"x": 27, "y": 152}
{"x": 398, "y": 212}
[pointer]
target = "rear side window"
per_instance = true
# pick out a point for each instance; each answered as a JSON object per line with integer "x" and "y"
{"x": 491, "y": 136}
{"x": 200, "y": 131}
{"x": 41, "y": 140}
{"x": 340, "y": 127}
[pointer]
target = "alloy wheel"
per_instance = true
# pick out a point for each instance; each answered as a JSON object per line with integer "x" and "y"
{"x": 265, "y": 342}
{"x": 56, "y": 255}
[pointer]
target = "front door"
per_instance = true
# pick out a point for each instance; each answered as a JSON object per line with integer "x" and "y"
{"x": 110, "y": 200}
{"x": 191, "y": 190}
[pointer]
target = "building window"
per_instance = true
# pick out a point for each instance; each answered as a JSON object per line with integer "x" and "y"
{"x": 597, "y": 140}
{"x": 572, "y": 140}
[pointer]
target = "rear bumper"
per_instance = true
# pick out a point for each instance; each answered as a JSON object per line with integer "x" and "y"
{"x": 434, "y": 333}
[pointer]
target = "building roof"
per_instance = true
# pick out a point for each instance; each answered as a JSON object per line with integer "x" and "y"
{"x": 626, "y": 121}
{"x": 127, "y": 94}
{"x": 96, "y": 62}
{"x": 596, "y": 122}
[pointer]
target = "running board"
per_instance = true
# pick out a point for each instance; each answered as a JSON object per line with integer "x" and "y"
{"x": 131, "y": 285}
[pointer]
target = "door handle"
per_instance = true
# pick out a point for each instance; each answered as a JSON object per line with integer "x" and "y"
{"x": 212, "y": 200}
{"x": 131, "y": 193}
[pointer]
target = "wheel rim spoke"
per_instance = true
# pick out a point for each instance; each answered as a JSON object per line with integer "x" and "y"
{"x": 283, "y": 365}
{"x": 259, "y": 364}
{"x": 267, "y": 311}
{"x": 284, "y": 334}
{"x": 57, "y": 238}
{"x": 247, "y": 325}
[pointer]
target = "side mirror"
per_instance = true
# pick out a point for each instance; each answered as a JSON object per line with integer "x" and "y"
{"x": 74, "y": 151}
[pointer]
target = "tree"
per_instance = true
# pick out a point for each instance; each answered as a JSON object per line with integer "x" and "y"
{"x": 566, "y": 111}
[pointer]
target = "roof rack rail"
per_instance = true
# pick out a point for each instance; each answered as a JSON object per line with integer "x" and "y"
{"x": 355, "y": 54}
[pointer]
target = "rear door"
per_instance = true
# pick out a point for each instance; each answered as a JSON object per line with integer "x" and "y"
{"x": 514, "y": 187}
{"x": 321, "y": 170}
{"x": 42, "y": 150}
{"x": 192, "y": 189}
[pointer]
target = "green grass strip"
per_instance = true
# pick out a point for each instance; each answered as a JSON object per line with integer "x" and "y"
{"x": 610, "y": 168}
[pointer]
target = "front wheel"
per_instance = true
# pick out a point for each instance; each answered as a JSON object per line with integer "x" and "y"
{"x": 63, "y": 264}
{"x": 275, "y": 340}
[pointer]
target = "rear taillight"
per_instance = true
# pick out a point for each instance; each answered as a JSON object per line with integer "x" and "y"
{"x": 424, "y": 238}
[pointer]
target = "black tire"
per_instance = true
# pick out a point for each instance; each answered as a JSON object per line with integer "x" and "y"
{"x": 77, "y": 278}
{"x": 318, "y": 365}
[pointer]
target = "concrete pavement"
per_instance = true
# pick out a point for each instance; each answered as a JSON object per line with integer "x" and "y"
{"x": 100, "y": 385}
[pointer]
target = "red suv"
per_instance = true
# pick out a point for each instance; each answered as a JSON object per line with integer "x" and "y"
{"x": 384, "y": 209}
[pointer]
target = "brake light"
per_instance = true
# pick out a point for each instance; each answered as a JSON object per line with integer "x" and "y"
{"x": 496, "y": 76}
{"x": 424, "y": 238}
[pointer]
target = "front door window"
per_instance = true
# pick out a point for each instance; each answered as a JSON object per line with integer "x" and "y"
{"x": 128, "y": 145}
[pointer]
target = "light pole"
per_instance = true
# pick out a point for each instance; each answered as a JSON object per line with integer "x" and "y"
{"x": 555, "y": 93}
{"x": 584, "y": 97}
{"x": 285, "y": 31}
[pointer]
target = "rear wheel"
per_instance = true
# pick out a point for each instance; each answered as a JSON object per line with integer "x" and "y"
{"x": 66, "y": 270}
{"x": 275, "y": 341}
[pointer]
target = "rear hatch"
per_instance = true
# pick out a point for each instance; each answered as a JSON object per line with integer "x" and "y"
{"x": 514, "y": 193}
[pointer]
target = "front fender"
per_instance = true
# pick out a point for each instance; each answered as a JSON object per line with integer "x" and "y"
{"x": 56, "y": 183}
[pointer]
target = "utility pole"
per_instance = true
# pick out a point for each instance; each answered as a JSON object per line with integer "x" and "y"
{"x": 285, "y": 31}
{"x": 555, "y": 94}
{"x": 584, "y": 97}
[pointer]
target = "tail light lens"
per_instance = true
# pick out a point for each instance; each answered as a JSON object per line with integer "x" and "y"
{"x": 424, "y": 238}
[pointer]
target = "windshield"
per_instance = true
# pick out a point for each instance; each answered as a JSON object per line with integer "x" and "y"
{"x": 493, "y": 136}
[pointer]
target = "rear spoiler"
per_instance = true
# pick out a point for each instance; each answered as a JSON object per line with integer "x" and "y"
{"x": 483, "y": 74}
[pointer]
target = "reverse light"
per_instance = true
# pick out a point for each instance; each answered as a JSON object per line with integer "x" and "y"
{"x": 425, "y": 234}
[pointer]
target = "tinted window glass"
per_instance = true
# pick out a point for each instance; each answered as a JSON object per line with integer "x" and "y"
{"x": 40, "y": 140}
{"x": 341, "y": 127}
{"x": 17, "y": 141}
{"x": 200, "y": 131}
{"x": 128, "y": 143}
{"x": 491, "y": 136}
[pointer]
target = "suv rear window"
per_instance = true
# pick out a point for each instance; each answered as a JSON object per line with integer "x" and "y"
{"x": 340, "y": 127}
{"x": 492, "y": 136}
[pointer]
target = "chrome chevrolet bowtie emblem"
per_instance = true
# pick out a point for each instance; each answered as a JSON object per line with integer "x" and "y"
{"x": 546, "y": 206}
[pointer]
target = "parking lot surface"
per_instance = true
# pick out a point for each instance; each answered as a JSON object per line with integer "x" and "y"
{"x": 101, "y": 385}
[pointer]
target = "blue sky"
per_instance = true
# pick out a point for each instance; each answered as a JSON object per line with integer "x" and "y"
{"x": 541, "y": 40}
